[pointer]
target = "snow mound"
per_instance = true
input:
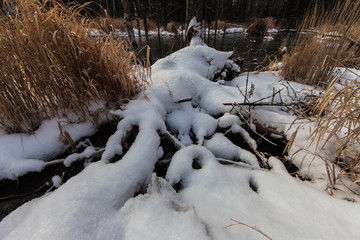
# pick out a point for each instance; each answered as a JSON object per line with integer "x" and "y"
{"x": 23, "y": 153}
{"x": 119, "y": 197}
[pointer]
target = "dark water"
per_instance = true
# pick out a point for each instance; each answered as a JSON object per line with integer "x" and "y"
{"x": 254, "y": 50}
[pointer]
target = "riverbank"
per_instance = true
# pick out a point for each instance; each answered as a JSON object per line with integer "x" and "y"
{"x": 210, "y": 186}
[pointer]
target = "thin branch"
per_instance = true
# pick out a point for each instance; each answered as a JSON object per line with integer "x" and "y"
{"x": 261, "y": 104}
{"x": 241, "y": 164}
{"x": 25, "y": 194}
{"x": 271, "y": 96}
{"x": 244, "y": 224}
{"x": 184, "y": 100}
{"x": 179, "y": 145}
{"x": 248, "y": 124}
{"x": 97, "y": 153}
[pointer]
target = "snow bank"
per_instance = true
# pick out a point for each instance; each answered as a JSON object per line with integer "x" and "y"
{"x": 276, "y": 203}
{"x": 23, "y": 153}
{"x": 124, "y": 200}
{"x": 231, "y": 30}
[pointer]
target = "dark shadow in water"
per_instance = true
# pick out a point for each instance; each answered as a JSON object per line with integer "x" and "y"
{"x": 252, "y": 49}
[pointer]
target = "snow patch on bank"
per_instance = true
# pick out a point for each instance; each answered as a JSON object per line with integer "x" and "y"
{"x": 124, "y": 200}
{"x": 23, "y": 153}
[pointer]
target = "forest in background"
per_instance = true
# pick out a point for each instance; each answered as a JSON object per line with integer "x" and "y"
{"x": 287, "y": 13}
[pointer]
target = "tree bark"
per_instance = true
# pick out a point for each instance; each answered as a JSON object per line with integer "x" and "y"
{"x": 137, "y": 6}
{"x": 144, "y": 16}
{"x": 113, "y": 8}
{"x": 193, "y": 9}
{"x": 129, "y": 27}
{"x": 158, "y": 25}
{"x": 107, "y": 8}
{"x": 216, "y": 20}
{"x": 177, "y": 10}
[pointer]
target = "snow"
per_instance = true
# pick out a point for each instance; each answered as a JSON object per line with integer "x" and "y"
{"x": 273, "y": 30}
{"x": 23, "y": 153}
{"x": 56, "y": 180}
{"x": 222, "y": 147}
{"x": 231, "y": 30}
{"x": 119, "y": 197}
{"x": 343, "y": 74}
{"x": 88, "y": 152}
{"x": 282, "y": 207}
{"x": 164, "y": 33}
{"x": 268, "y": 38}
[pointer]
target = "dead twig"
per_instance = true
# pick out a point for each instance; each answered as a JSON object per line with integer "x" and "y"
{"x": 252, "y": 227}
{"x": 261, "y": 104}
{"x": 184, "y": 100}
{"x": 248, "y": 124}
{"x": 97, "y": 153}
{"x": 25, "y": 194}
{"x": 179, "y": 145}
{"x": 271, "y": 96}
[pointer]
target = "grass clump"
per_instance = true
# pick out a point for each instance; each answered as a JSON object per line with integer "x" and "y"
{"x": 151, "y": 25}
{"x": 108, "y": 24}
{"x": 260, "y": 26}
{"x": 326, "y": 40}
{"x": 173, "y": 27}
{"x": 329, "y": 40}
{"x": 220, "y": 25}
{"x": 337, "y": 116}
{"x": 50, "y": 66}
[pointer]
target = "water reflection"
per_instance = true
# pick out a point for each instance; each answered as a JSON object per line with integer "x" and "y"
{"x": 254, "y": 50}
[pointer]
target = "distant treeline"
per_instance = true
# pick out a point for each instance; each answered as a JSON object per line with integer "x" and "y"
{"x": 288, "y": 13}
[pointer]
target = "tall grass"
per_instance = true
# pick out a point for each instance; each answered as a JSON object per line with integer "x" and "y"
{"x": 174, "y": 27}
{"x": 50, "y": 66}
{"x": 332, "y": 42}
{"x": 260, "y": 26}
{"x": 341, "y": 121}
{"x": 150, "y": 24}
{"x": 108, "y": 24}
{"x": 326, "y": 40}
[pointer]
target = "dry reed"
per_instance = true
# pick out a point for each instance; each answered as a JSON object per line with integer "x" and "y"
{"x": 336, "y": 113}
{"x": 220, "y": 25}
{"x": 108, "y": 24}
{"x": 326, "y": 40}
{"x": 173, "y": 27}
{"x": 50, "y": 66}
{"x": 150, "y": 24}
{"x": 260, "y": 26}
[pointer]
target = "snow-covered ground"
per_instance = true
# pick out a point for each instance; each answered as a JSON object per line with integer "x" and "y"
{"x": 126, "y": 200}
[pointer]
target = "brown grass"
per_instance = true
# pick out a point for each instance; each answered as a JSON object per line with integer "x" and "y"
{"x": 336, "y": 113}
{"x": 50, "y": 66}
{"x": 151, "y": 24}
{"x": 341, "y": 121}
{"x": 221, "y": 25}
{"x": 260, "y": 26}
{"x": 173, "y": 27}
{"x": 108, "y": 24}
{"x": 331, "y": 43}
{"x": 312, "y": 61}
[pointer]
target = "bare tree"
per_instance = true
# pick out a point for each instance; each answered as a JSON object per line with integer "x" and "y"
{"x": 158, "y": 24}
{"x": 143, "y": 7}
{"x": 137, "y": 6}
{"x": 129, "y": 27}
{"x": 193, "y": 9}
